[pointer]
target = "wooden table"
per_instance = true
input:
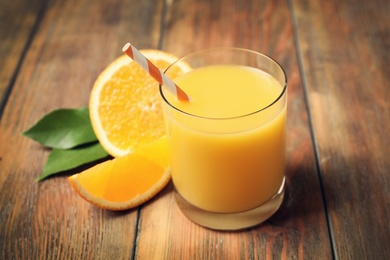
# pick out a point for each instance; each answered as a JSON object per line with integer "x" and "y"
{"x": 337, "y": 58}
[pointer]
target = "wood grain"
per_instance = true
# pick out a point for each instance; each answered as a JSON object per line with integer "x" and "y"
{"x": 298, "y": 229}
{"x": 15, "y": 34}
{"x": 74, "y": 42}
{"x": 345, "y": 57}
{"x": 335, "y": 54}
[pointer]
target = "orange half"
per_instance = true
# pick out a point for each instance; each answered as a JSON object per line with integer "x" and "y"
{"x": 125, "y": 104}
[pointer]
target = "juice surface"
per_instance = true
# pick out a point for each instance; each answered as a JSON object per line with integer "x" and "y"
{"x": 228, "y": 165}
{"x": 226, "y": 91}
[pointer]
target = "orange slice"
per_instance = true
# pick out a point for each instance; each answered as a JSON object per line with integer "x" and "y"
{"x": 125, "y": 107}
{"x": 125, "y": 182}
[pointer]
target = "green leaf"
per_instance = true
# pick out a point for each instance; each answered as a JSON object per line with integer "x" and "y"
{"x": 63, "y": 129}
{"x": 62, "y": 160}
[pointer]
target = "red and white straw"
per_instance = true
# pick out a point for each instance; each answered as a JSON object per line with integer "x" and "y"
{"x": 142, "y": 61}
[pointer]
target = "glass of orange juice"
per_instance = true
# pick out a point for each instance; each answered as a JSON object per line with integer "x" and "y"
{"x": 227, "y": 144}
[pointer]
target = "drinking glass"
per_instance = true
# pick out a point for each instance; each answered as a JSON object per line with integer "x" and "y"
{"x": 228, "y": 171}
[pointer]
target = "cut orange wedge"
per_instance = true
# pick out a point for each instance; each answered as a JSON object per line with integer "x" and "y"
{"x": 125, "y": 182}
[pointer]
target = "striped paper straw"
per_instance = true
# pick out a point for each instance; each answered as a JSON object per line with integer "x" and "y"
{"x": 142, "y": 61}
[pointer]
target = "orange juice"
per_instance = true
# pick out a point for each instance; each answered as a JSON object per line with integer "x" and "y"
{"x": 228, "y": 143}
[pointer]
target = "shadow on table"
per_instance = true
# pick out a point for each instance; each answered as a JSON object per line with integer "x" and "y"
{"x": 303, "y": 195}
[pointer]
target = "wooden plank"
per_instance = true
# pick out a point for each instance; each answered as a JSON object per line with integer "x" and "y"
{"x": 298, "y": 229}
{"x": 345, "y": 57}
{"x": 15, "y": 33}
{"x": 48, "y": 220}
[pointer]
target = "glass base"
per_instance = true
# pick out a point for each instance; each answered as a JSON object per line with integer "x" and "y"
{"x": 231, "y": 221}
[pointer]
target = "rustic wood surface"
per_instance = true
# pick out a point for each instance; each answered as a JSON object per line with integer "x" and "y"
{"x": 16, "y": 32}
{"x": 336, "y": 55}
{"x": 345, "y": 57}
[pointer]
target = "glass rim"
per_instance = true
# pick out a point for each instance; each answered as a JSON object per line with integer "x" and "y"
{"x": 233, "y": 117}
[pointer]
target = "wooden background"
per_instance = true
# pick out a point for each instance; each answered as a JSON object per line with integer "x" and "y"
{"x": 336, "y": 55}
